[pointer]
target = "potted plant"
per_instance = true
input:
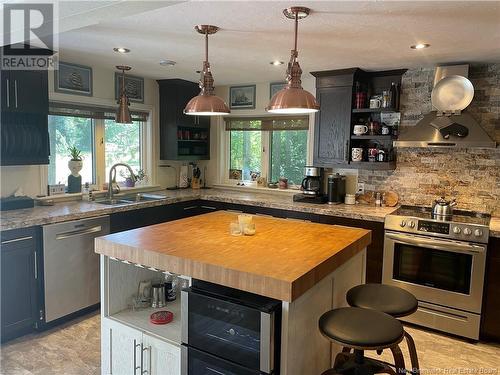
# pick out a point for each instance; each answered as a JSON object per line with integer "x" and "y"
{"x": 75, "y": 165}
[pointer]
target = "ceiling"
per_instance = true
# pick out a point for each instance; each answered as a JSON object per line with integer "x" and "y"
{"x": 373, "y": 35}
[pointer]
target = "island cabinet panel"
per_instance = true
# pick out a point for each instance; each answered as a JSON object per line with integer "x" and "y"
{"x": 490, "y": 324}
{"x": 375, "y": 251}
{"x": 162, "y": 358}
{"x": 125, "y": 350}
{"x": 20, "y": 261}
{"x": 332, "y": 126}
{"x": 121, "y": 348}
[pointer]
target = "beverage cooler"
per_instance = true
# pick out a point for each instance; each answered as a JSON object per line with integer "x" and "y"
{"x": 230, "y": 332}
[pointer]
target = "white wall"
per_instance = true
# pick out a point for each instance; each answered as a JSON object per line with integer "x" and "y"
{"x": 30, "y": 178}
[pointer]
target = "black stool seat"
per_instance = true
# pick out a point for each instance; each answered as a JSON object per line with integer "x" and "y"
{"x": 386, "y": 298}
{"x": 361, "y": 328}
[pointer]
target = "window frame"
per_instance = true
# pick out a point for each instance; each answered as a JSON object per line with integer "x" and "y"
{"x": 266, "y": 153}
{"x": 148, "y": 135}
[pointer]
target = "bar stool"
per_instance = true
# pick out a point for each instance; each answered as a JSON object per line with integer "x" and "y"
{"x": 362, "y": 329}
{"x": 391, "y": 300}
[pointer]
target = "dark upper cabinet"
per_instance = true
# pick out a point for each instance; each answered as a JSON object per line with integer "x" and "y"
{"x": 24, "y": 115}
{"x": 332, "y": 126}
{"x": 333, "y": 136}
{"x": 182, "y": 137}
{"x": 20, "y": 266}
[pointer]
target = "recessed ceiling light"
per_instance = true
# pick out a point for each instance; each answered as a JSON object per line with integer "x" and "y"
{"x": 121, "y": 50}
{"x": 276, "y": 62}
{"x": 167, "y": 62}
{"x": 420, "y": 46}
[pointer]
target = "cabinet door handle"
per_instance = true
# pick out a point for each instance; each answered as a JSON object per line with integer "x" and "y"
{"x": 209, "y": 207}
{"x": 143, "y": 349}
{"x": 8, "y": 92}
{"x": 15, "y": 91}
{"x": 190, "y": 208}
{"x": 135, "y": 357}
{"x": 17, "y": 240}
{"x": 36, "y": 266}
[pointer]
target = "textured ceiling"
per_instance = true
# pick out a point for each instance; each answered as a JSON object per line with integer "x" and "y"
{"x": 370, "y": 35}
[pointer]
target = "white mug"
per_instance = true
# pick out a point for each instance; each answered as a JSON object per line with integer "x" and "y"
{"x": 357, "y": 154}
{"x": 360, "y": 129}
{"x": 375, "y": 103}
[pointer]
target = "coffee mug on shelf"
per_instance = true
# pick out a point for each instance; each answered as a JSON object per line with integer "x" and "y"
{"x": 360, "y": 129}
{"x": 374, "y": 127}
{"x": 372, "y": 154}
{"x": 375, "y": 103}
{"x": 385, "y": 130}
{"x": 357, "y": 154}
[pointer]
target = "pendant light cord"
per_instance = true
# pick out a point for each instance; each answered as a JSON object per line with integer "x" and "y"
{"x": 206, "y": 45}
{"x": 296, "y": 29}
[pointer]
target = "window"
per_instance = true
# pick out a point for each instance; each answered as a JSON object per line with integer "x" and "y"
{"x": 66, "y": 132}
{"x": 122, "y": 145}
{"x": 272, "y": 147}
{"x": 103, "y": 142}
{"x": 246, "y": 155}
{"x": 288, "y": 155}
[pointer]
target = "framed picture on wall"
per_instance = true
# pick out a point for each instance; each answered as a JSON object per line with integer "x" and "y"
{"x": 242, "y": 97}
{"x": 274, "y": 87}
{"x": 73, "y": 79}
{"x": 133, "y": 85}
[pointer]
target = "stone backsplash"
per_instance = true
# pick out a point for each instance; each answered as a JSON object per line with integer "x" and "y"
{"x": 472, "y": 176}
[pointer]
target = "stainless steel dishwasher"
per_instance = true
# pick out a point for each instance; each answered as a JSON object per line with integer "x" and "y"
{"x": 71, "y": 267}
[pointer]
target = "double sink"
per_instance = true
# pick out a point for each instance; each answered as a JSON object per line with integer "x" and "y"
{"x": 130, "y": 199}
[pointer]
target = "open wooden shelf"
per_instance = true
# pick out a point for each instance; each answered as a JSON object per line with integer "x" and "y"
{"x": 373, "y": 137}
{"x": 139, "y": 319}
{"x": 372, "y": 165}
{"x": 373, "y": 110}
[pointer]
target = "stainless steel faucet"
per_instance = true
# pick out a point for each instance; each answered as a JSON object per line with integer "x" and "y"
{"x": 113, "y": 177}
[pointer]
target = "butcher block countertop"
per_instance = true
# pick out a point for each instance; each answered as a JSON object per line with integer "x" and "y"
{"x": 283, "y": 260}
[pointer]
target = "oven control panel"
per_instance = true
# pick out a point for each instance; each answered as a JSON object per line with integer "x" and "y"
{"x": 445, "y": 229}
{"x": 433, "y": 227}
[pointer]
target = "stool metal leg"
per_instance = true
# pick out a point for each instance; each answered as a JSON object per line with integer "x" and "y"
{"x": 399, "y": 361}
{"x": 415, "y": 368}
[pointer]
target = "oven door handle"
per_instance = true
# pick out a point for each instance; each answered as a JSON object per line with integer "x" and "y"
{"x": 437, "y": 244}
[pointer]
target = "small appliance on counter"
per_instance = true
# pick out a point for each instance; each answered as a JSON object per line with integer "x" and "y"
{"x": 336, "y": 189}
{"x": 312, "y": 186}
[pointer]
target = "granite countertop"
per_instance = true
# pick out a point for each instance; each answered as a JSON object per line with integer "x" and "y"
{"x": 65, "y": 211}
{"x": 202, "y": 247}
{"x": 495, "y": 227}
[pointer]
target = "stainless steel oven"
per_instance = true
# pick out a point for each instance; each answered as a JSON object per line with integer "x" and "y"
{"x": 225, "y": 331}
{"x": 445, "y": 275}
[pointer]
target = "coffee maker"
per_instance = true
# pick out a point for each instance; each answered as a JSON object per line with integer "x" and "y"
{"x": 312, "y": 186}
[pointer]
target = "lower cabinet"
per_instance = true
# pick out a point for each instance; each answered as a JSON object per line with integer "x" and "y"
{"x": 20, "y": 271}
{"x": 490, "y": 323}
{"x": 374, "y": 251}
{"x": 126, "y": 350}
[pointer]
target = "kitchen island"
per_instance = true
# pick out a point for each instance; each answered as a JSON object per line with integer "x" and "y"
{"x": 307, "y": 266}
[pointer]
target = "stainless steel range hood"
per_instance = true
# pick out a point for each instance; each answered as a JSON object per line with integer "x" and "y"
{"x": 425, "y": 134}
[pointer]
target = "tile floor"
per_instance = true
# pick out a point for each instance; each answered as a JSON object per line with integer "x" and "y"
{"x": 73, "y": 349}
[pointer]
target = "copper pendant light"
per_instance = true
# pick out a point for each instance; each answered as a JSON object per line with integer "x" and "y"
{"x": 293, "y": 98}
{"x": 206, "y": 103}
{"x": 123, "y": 112}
